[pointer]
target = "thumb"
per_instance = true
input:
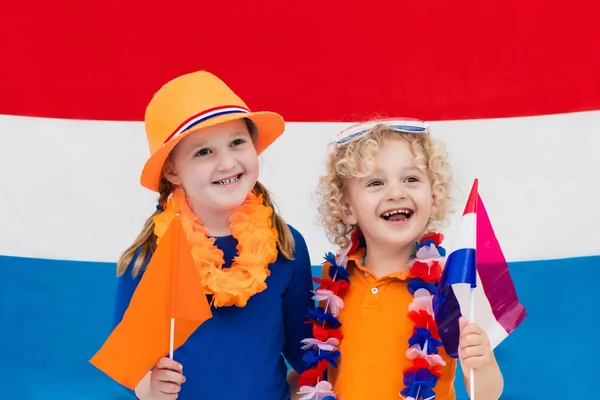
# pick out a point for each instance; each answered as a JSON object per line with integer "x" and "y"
{"x": 462, "y": 322}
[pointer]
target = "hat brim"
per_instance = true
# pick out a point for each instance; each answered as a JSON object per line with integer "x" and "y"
{"x": 270, "y": 126}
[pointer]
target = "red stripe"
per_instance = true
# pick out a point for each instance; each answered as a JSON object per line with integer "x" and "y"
{"x": 196, "y": 115}
{"x": 433, "y": 59}
{"x": 471, "y": 206}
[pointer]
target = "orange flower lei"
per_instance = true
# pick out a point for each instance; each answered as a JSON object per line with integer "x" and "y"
{"x": 257, "y": 248}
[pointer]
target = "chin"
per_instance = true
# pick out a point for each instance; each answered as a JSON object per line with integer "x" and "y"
{"x": 403, "y": 237}
{"x": 231, "y": 203}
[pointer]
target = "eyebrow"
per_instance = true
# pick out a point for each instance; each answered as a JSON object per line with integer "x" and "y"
{"x": 200, "y": 142}
{"x": 405, "y": 169}
{"x": 414, "y": 169}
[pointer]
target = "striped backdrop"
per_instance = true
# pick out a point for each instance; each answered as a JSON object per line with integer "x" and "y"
{"x": 512, "y": 87}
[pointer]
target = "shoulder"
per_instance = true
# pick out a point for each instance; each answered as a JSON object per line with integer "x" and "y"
{"x": 299, "y": 240}
{"x": 132, "y": 273}
{"x": 301, "y": 255}
{"x": 300, "y": 247}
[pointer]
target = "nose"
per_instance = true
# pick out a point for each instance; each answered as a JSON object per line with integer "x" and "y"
{"x": 396, "y": 191}
{"x": 226, "y": 161}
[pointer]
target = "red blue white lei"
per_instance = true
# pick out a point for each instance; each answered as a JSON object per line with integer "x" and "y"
{"x": 322, "y": 351}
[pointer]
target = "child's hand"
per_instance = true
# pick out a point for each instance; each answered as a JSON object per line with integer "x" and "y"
{"x": 474, "y": 349}
{"x": 165, "y": 381}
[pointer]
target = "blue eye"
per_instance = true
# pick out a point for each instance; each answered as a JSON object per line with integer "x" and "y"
{"x": 412, "y": 179}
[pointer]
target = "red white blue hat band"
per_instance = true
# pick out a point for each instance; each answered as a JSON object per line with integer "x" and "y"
{"x": 203, "y": 116}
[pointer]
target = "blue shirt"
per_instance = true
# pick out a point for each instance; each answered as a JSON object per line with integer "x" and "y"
{"x": 238, "y": 353}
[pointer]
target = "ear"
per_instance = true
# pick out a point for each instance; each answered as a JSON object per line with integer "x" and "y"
{"x": 348, "y": 215}
{"x": 434, "y": 207}
{"x": 170, "y": 174}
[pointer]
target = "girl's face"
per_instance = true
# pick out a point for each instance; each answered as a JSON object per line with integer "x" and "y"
{"x": 217, "y": 167}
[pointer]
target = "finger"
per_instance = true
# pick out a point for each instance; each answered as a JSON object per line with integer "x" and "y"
{"x": 471, "y": 328}
{"x": 470, "y": 352}
{"x": 166, "y": 375}
{"x": 167, "y": 363}
{"x": 478, "y": 362}
{"x": 472, "y": 363}
{"x": 471, "y": 339}
{"x": 168, "y": 387}
{"x": 166, "y": 396}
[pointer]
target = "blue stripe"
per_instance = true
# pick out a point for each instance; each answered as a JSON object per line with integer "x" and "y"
{"x": 408, "y": 128}
{"x": 55, "y": 314}
{"x": 447, "y": 312}
{"x": 460, "y": 268}
{"x": 213, "y": 116}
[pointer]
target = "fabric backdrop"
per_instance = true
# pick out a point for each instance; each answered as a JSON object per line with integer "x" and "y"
{"x": 512, "y": 87}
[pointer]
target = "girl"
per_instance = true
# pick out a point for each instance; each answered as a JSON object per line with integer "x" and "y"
{"x": 387, "y": 182}
{"x": 255, "y": 269}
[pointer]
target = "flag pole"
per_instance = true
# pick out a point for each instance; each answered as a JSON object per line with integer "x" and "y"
{"x": 172, "y": 336}
{"x": 472, "y": 299}
{"x": 471, "y": 371}
{"x": 174, "y": 294}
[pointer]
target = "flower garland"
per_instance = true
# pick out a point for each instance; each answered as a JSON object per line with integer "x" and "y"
{"x": 257, "y": 248}
{"x": 425, "y": 272}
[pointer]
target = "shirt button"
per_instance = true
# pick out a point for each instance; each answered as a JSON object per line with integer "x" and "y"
{"x": 374, "y": 290}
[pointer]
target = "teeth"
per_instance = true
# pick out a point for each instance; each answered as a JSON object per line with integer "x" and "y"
{"x": 229, "y": 181}
{"x": 394, "y": 212}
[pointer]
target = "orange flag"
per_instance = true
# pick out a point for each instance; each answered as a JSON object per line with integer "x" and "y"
{"x": 170, "y": 288}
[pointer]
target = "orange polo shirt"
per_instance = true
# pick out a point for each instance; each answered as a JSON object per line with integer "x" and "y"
{"x": 376, "y": 330}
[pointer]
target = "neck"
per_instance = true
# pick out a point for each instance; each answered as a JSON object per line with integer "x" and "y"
{"x": 383, "y": 260}
{"x": 216, "y": 222}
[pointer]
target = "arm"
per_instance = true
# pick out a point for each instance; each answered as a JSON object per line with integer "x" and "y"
{"x": 126, "y": 285}
{"x": 489, "y": 384}
{"x": 292, "y": 379}
{"x": 166, "y": 377}
{"x": 296, "y": 302}
{"x": 475, "y": 352}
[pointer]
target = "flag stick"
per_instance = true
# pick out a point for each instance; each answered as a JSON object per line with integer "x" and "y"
{"x": 471, "y": 319}
{"x": 172, "y": 336}
{"x": 174, "y": 294}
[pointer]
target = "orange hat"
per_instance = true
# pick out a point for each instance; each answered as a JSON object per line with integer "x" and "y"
{"x": 191, "y": 102}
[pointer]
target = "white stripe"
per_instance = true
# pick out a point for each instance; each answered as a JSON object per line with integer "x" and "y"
{"x": 205, "y": 115}
{"x": 70, "y": 189}
{"x": 361, "y": 129}
{"x": 466, "y": 235}
{"x": 484, "y": 317}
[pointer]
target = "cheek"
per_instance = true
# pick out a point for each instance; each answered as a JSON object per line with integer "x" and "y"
{"x": 366, "y": 204}
{"x": 196, "y": 173}
{"x": 427, "y": 202}
{"x": 251, "y": 163}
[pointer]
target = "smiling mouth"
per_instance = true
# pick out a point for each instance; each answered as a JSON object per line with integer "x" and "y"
{"x": 397, "y": 215}
{"x": 228, "y": 181}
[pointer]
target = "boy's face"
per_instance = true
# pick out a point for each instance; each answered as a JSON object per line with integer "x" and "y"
{"x": 392, "y": 205}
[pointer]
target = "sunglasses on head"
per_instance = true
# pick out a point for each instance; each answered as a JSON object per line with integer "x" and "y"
{"x": 355, "y": 132}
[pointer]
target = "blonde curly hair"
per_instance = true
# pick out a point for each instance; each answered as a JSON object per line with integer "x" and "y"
{"x": 357, "y": 159}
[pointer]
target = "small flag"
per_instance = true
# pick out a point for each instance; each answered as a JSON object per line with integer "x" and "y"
{"x": 170, "y": 288}
{"x": 476, "y": 265}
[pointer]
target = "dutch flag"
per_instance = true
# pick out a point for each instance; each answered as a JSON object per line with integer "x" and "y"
{"x": 476, "y": 276}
